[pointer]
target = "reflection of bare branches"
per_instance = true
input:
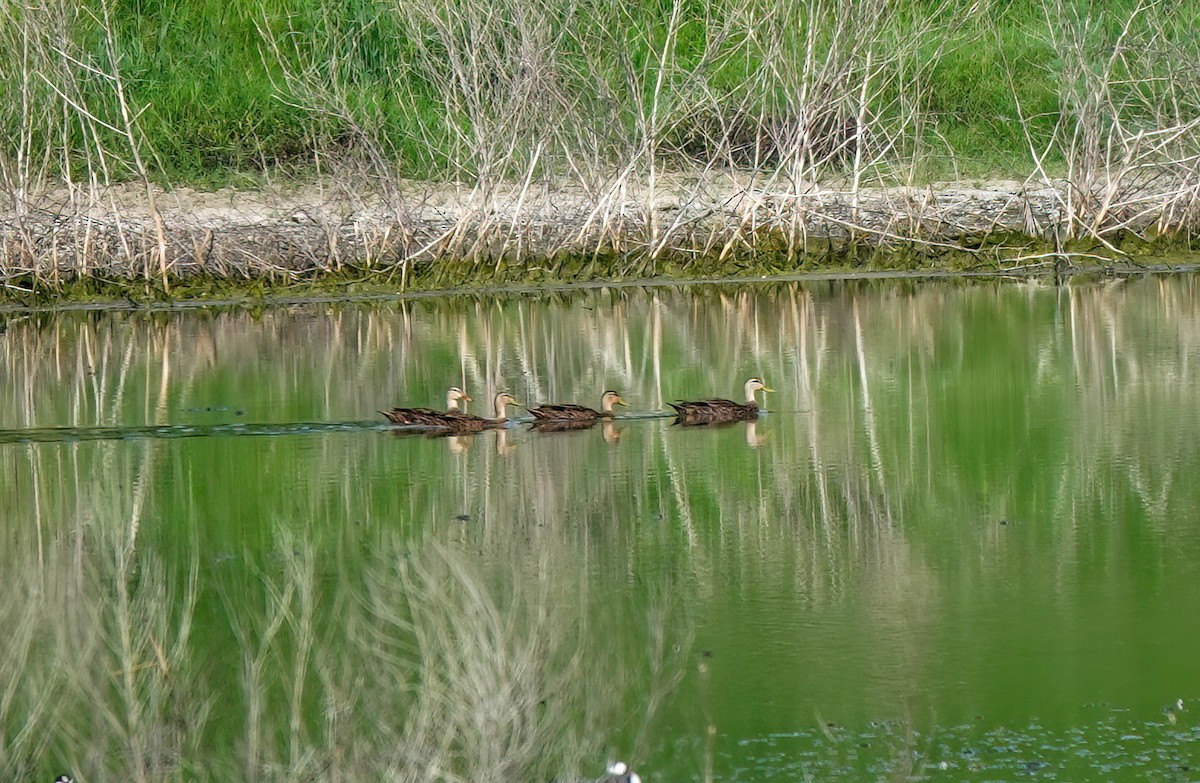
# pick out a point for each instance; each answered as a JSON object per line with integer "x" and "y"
{"x": 111, "y": 641}
{"x": 875, "y": 430}
{"x": 868, "y": 410}
{"x": 666, "y": 655}
{"x": 131, "y": 369}
{"x": 419, "y": 659}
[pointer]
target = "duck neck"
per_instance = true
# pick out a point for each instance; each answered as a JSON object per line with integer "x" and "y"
{"x": 501, "y": 408}
{"x": 750, "y": 398}
{"x": 451, "y": 402}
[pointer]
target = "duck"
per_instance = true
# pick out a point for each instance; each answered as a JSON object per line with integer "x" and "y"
{"x": 571, "y": 412}
{"x": 459, "y": 422}
{"x": 428, "y": 417}
{"x": 721, "y": 410}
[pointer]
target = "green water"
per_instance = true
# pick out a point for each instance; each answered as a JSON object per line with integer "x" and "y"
{"x": 963, "y": 543}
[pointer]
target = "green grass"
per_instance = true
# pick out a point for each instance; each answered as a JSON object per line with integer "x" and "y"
{"x": 216, "y": 108}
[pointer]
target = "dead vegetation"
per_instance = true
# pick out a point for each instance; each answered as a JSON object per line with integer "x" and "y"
{"x": 557, "y": 158}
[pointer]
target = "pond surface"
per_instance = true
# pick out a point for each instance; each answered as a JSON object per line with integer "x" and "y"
{"x": 962, "y": 544}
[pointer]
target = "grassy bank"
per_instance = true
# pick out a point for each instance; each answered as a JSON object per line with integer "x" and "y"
{"x": 587, "y": 98}
{"x": 220, "y": 91}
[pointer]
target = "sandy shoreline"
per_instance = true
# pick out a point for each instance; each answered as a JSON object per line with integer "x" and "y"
{"x": 304, "y": 232}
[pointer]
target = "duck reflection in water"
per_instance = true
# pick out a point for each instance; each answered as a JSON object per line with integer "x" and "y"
{"x": 456, "y": 442}
{"x": 460, "y": 443}
{"x": 608, "y": 429}
{"x": 754, "y": 438}
{"x": 610, "y": 433}
{"x": 504, "y": 446}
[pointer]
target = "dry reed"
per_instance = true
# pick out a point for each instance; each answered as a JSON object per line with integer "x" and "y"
{"x": 656, "y": 161}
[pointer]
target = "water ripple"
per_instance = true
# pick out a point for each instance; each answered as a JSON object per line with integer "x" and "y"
{"x": 170, "y": 431}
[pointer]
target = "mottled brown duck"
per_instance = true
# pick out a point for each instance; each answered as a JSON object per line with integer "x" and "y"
{"x": 716, "y": 411}
{"x": 428, "y": 417}
{"x": 568, "y": 411}
{"x": 458, "y": 422}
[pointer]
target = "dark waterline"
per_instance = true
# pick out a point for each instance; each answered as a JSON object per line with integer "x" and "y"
{"x": 1110, "y": 271}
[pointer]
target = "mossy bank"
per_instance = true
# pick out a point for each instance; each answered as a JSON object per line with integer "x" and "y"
{"x": 259, "y": 247}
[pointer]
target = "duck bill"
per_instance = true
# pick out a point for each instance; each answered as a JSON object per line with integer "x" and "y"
{"x": 767, "y": 389}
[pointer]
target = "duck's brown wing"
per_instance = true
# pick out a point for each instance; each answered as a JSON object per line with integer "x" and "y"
{"x": 711, "y": 411}
{"x": 705, "y": 407}
{"x": 412, "y": 416}
{"x": 564, "y": 412}
{"x": 456, "y": 421}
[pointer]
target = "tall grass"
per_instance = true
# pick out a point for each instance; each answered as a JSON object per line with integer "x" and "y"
{"x": 258, "y": 85}
{"x": 553, "y": 117}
